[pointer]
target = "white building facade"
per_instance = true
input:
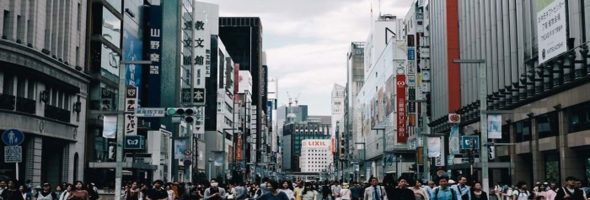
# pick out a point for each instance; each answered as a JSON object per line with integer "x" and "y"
{"x": 316, "y": 156}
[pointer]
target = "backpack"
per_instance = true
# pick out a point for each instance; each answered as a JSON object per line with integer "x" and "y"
{"x": 453, "y": 194}
{"x": 518, "y": 195}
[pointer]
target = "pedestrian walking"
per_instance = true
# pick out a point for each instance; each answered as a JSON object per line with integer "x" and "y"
{"x": 547, "y": 194}
{"x": 521, "y": 193}
{"x": 157, "y": 192}
{"x": 309, "y": 192}
{"x": 345, "y": 193}
{"x": 79, "y": 190}
{"x": 375, "y": 191}
{"x": 23, "y": 191}
{"x": 356, "y": 191}
{"x": 66, "y": 194}
{"x": 273, "y": 192}
{"x": 476, "y": 193}
{"x": 287, "y": 188}
{"x": 569, "y": 191}
{"x": 11, "y": 192}
{"x": 214, "y": 192}
{"x": 419, "y": 192}
{"x": 400, "y": 192}
{"x": 46, "y": 193}
{"x": 444, "y": 192}
{"x": 132, "y": 192}
{"x": 462, "y": 189}
{"x": 335, "y": 189}
{"x": 298, "y": 190}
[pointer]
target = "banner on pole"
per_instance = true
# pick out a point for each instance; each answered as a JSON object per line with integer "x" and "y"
{"x": 109, "y": 127}
{"x": 494, "y": 126}
{"x": 454, "y": 141}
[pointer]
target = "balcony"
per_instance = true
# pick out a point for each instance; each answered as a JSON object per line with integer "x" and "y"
{"x": 57, "y": 113}
{"x": 7, "y": 102}
{"x": 25, "y": 105}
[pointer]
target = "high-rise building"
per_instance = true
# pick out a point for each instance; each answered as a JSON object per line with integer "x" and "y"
{"x": 243, "y": 39}
{"x": 44, "y": 91}
{"x": 352, "y": 123}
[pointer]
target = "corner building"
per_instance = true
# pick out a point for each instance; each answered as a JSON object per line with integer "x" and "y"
{"x": 44, "y": 88}
{"x": 547, "y": 126}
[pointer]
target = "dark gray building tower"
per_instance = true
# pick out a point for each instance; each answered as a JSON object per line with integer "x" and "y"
{"x": 242, "y": 37}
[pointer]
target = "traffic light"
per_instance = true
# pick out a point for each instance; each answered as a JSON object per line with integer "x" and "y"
{"x": 185, "y": 113}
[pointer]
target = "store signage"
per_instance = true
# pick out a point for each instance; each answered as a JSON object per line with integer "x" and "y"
{"x": 470, "y": 142}
{"x": 402, "y": 134}
{"x": 131, "y": 106}
{"x": 454, "y": 118}
{"x": 551, "y": 29}
{"x": 134, "y": 142}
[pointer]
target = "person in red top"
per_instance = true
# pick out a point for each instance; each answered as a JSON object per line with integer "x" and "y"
{"x": 79, "y": 191}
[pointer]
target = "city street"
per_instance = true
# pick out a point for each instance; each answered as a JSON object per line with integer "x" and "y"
{"x": 295, "y": 100}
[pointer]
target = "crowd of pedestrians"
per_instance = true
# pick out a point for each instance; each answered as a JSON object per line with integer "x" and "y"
{"x": 14, "y": 190}
{"x": 444, "y": 188}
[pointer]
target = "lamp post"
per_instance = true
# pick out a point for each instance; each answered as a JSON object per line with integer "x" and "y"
{"x": 364, "y": 156}
{"x": 121, "y": 122}
{"x": 383, "y": 141}
{"x": 483, "y": 122}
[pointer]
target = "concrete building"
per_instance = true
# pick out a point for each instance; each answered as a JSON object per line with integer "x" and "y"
{"x": 219, "y": 125}
{"x": 243, "y": 39}
{"x": 352, "y": 123}
{"x": 543, "y": 86}
{"x": 45, "y": 88}
{"x": 293, "y": 135}
{"x": 316, "y": 156}
{"x": 337, "y": 122}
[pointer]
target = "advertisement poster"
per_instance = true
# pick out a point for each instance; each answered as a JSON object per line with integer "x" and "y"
{"x": 551, "y": 28}
{"x": 402, "y": 134}
{"x": 132, "y": 51}
{"x": 179, "y": 148}
{"x": 454, "y": 141}
{"x": 109, "y": 127}
{"x": 433, "y": 144}
{"x": 494, "y": 126}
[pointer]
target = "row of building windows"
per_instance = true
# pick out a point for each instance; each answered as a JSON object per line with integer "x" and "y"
{"x": 547, "y": 125}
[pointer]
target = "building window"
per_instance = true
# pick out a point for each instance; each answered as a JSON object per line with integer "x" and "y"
{"x": 8, "y": 84}
{"x": 578, "y": 117}
{"x": 551, "y": 166}
{"x": 111, "y": 28}
{"x": 31, "y": 89}
{"x": 547, "y": 125}
{"x": 20, "y": 87}
{"x": 6, "y": 24}
{"x": 522, "y": 130}
{"x": 79, "y": 19}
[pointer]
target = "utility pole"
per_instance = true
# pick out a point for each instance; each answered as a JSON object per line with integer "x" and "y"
{"x": 121, "y": 122}
{"x": 483, "y": 119}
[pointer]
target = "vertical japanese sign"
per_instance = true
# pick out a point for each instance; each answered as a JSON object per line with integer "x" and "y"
{"x": 238, "y": 146}
{"x": 154, "y": 52}
{"x": 552, "y": 28}
{"x": 201, "y": 44}
{"x": 131, "y": 106}
{"x": 402, "y": 134}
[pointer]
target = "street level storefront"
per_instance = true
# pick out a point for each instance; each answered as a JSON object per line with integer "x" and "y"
{"x": 45, "y": 99}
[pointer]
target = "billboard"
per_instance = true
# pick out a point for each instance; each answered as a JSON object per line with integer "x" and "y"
{"x": 402, "y": 134}
{"x": 494, "y": 126}
{"x": 133, "y": 51}
{"x": 551, "y": 28}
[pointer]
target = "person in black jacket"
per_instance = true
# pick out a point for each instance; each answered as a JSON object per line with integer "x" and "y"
{"x": 401, "y": 191}
{"x": 477, "y": 193}
{"x": 569, "y": 191}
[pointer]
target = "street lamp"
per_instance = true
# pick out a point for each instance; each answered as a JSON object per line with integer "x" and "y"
{"x": 121, "y": 121}
{"x": 483, "y": 106}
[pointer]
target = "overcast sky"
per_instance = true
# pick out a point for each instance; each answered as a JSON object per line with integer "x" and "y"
{"x": 306, "y": 41}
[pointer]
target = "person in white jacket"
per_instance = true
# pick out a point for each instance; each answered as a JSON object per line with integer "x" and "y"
{"x": 64, "y": 195}
{"x": 345, "y": 193}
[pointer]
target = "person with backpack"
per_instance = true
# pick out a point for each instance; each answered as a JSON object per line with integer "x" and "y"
{"x": 521, "y": 192}
{"x": 569, "y": 191}
{"x": 462, "y": 189}
{"x": 46, "y": 193}
{"x": 444, "y": 192}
